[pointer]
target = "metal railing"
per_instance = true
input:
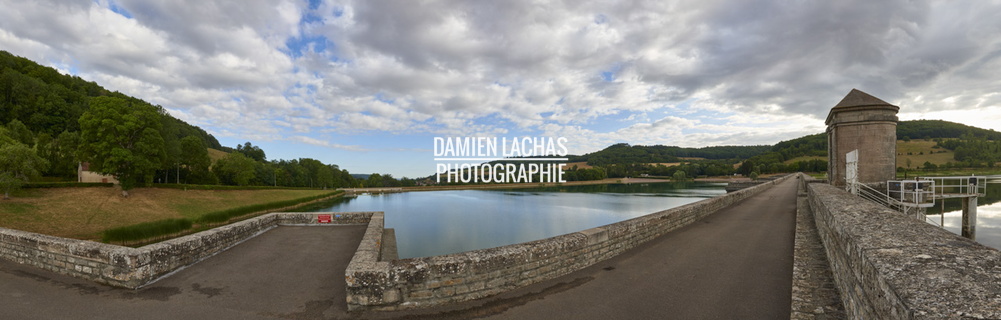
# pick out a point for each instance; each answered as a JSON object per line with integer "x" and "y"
{"x": 866, "y": 192}
{"x": 912, "y": 193}
{"x": 958, "y": 187}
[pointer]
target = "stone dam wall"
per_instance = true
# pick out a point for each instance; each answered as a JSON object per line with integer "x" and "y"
{"x": 890, "y": 266}
{"x": 374, "y": 284}
{"x": 135, "y": 267}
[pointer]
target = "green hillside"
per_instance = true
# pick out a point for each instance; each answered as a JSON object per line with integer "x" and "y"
{"x": 930, "y": 144}
{"x": 930, "y": 129}
{"x": 935, "y": 142}
{"x": 48, "y": 102}
{"x": 56, "y": 121}
{"x": 623, "y": 153}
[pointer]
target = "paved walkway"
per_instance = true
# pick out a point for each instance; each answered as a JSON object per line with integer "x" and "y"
{"x": 288, "y": 272}
{"x": 735, "y": 264}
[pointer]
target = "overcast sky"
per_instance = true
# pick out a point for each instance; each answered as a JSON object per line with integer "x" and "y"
{"x": 368, "y": 84}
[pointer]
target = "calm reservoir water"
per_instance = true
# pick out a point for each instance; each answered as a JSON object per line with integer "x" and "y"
{"x": 988, "y": 216}
{"x": 442, "y": 222}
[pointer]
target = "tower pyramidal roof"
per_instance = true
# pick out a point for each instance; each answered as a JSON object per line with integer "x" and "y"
{"x": 857, "y": 98}
{"x": 858, "y": 101}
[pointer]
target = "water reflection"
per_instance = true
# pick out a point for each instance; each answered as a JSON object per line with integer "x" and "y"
{"x": 442, "y": 222}
{"x": 988, "y": 216}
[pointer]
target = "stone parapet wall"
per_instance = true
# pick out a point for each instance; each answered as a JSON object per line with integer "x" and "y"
{"x": 310, "y": 218}
{"x": 104, "y": 263}
{"x": 135, "y": 267}
{"x": 429, "y": 281}
{"x": 890, "y": 266}
{"x": 159, "y": 259}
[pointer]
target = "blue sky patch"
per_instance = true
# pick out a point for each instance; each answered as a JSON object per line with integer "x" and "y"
{"x": 382, "y": 97}
{"x": 299, "y": 46}
{"x": 314, "y": 4}
{"x": 114, "y": 7}
{"x": 609, "y": 75}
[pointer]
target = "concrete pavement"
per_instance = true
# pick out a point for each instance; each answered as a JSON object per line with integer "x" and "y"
{"x": 288, "y": 272}
{"x": 734, "y": 264}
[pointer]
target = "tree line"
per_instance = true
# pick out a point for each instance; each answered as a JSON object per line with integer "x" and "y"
{"x": 930, "y": 129}
{"x": 623, "y": 153}
{"x": 972, "y": 151}
{"x": 50, "y": 122}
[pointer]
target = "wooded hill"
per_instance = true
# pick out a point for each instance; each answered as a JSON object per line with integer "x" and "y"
{"x": 50, "y": 121}
{"x": 48, "y": 102}
{"x": 623, "y": 153}
{"x": 973, "y": 147}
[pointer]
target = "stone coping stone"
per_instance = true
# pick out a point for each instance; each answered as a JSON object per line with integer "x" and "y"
{"x": 933, "y": 272}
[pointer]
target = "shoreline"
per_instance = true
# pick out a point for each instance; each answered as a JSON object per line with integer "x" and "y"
{"x": 349, "y": 191}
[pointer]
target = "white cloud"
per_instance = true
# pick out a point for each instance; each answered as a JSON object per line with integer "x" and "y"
{"x": 326, "y": 144}
{"x": 518, "y": 67}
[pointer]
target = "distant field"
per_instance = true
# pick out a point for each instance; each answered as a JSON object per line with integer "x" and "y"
{"x": 583, "y": 165}
{"x": 920, "y": 151}
{"x": 83, "y": 213}
{"x": 804, "y": 158}
{"x": 918, "y": 146}
{"x": 216, "y": 154}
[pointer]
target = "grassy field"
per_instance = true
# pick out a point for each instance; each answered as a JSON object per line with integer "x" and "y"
{"x": 216, "y": 154}
{"x": 583, "y": 165}
{"x": 804, "y": 158}
{"x": 83, "y": 213}
{"x": 951, "y": 172}
{"x": 580, "y": 165}
{"x": 919, "y": 151}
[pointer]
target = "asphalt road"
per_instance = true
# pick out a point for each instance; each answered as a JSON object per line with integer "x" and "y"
{"x": 734, "y": 264}
{"x": 288, "y": 272}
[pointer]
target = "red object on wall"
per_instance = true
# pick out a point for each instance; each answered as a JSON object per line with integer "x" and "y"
{"x": 323, "y": 218}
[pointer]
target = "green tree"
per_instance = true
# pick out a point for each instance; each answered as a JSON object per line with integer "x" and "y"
{"x": 60, "y": 152}
{"x": 195, "y": 159}
{"x": 746, "y": 167}
{"x": 5, "y": 137}
{"x": 64, "y": 163}
{"x": 679, "y": 176}
{"x": 251, "y": 151}
{"x": 21, "y": 133}
{"x": 170, "y": 131}
{"x": 121, "y": 138}
{"x": 18, "y": 164}
{"x": 235, "y": 169}
{"x": 374, "y": 181}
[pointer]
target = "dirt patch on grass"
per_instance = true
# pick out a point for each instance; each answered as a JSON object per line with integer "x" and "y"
{"x": 83, "y": 213}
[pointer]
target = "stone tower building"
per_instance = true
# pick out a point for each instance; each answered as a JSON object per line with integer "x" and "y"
{"x": 867, "y": 124}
